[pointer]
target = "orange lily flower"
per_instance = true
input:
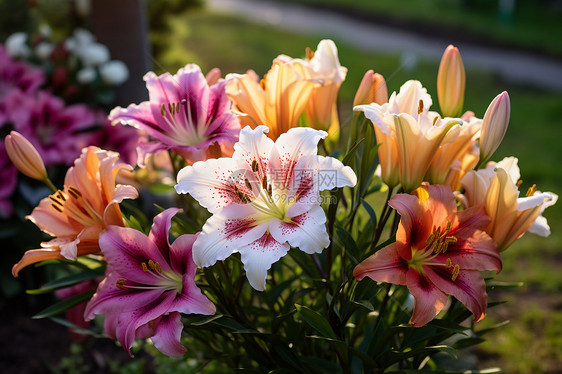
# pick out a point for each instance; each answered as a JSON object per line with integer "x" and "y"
{"x": 76, "y": 215}
{"x": 496, "y": 189}
{"x": 277, "y": 101}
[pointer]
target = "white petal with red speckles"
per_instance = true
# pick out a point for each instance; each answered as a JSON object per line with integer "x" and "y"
{"x": 211, "y": 182}
{"x": 220, "y": 238}
{"x": 258, "y": 257}
{"x": 306, "y": 231}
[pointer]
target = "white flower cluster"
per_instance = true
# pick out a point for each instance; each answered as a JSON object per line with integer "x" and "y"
{"x": 92, "y": 57}
{"x": 95, "y": 58}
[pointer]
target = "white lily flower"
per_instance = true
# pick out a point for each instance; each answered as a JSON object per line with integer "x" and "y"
{"x": 264, "y": 199}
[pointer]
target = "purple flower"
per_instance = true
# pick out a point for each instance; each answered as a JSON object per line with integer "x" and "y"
{"x": 121, "y": 139}
{"x": 148, "y": 284}
{"x": 9, "y": 178}
{"x": 184, "y": 115}
{"x": 54, "y": 129}
{"x": 16, "y": 76}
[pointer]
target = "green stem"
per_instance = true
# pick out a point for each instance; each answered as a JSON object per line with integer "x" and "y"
{"x": 383, "y": 306}
{"x": 50, "y": 184}
{"x": 385, "y": 214}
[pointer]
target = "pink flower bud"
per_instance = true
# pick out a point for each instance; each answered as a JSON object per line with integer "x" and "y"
{"x": 494, "y": 125}
{"x": 371, "y": 90}
{"x": 24, "y": 156}
{"x": 451, "y": 83}
{"x": 213, "y": 76}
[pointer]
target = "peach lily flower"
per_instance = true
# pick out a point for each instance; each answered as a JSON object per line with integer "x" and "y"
{"x": 496, "y": 189}
{"x": 410, "y": 134}
{"x": 451, "y": 155}
{"x": 438, "y": 252}
{"x": 324, "y": 66}
{"x": 277, "y": 101}
{"x": 76, "y": 215}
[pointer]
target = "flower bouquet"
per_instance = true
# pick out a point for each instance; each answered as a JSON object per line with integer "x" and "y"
{"x": 287, "y": 242}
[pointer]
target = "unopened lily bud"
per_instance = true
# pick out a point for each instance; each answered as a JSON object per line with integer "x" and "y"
{"x": 494, "y": 125}
{"x": 213, "y": 76}
{"x": 371, "y": 90}
{"x": 24, "y": 156}
{"x": 451, "y": 83}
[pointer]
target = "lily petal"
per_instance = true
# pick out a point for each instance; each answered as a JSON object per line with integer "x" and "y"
{"x": 220, "y": 238}
{"x": 258, "y": 257}
{"x": 126, "y": 249}
{"x": 468, "y": 287}
{"x": 428, "y": 299}
{"x": 168, "y": 335}
{"x": 385, "y": 265}
{"x": 306, "y": 231}
{"x": 212, "y": 182}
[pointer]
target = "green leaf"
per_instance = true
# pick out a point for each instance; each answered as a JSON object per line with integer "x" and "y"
{"x": 397, "y": 356}
{"x": 200, "y": 320}
{"x": 316, "y": 321}
{"x": 318, "y": 365}
{"x": 371, "y": 213}
{"x": 235, "y": 326}
{"x": 286, "y": 357}
{"x": 467, "y": 342}
{"x": 491, "y": 328}
{"x": 448, "y": 326}
{"x": 64, "y": 305}
{"x": 348, "y": 243}
{"x": 160, "y": 188}
{"x": 90, "y": 262}
{"x": 65, "y": 282}
{"x": 365, "y": 304}
{"x": 75, "y": 328}
{"x": 351, "y": 153}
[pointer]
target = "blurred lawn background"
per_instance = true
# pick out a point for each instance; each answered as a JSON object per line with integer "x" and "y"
{"x": 532, "y": 341}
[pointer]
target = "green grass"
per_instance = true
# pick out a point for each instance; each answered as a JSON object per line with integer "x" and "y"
{"x": 528, "y": 27}
{"x": 235, "y": 46}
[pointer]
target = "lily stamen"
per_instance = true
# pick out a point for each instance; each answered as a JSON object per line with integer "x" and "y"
{"x": 531, "y": 191}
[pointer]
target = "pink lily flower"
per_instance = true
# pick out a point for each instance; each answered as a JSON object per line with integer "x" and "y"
{"x": 264, "y": 199}
{"x": 438, "y": 252}
{"x": 148, "y": 283}
{"x": 184, "y": 115}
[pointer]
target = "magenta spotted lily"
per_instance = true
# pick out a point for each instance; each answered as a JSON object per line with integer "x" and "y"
{"x": 184, "y": 114}
{"x": 264, "y": 199}
{"x": 149, "y": 282}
